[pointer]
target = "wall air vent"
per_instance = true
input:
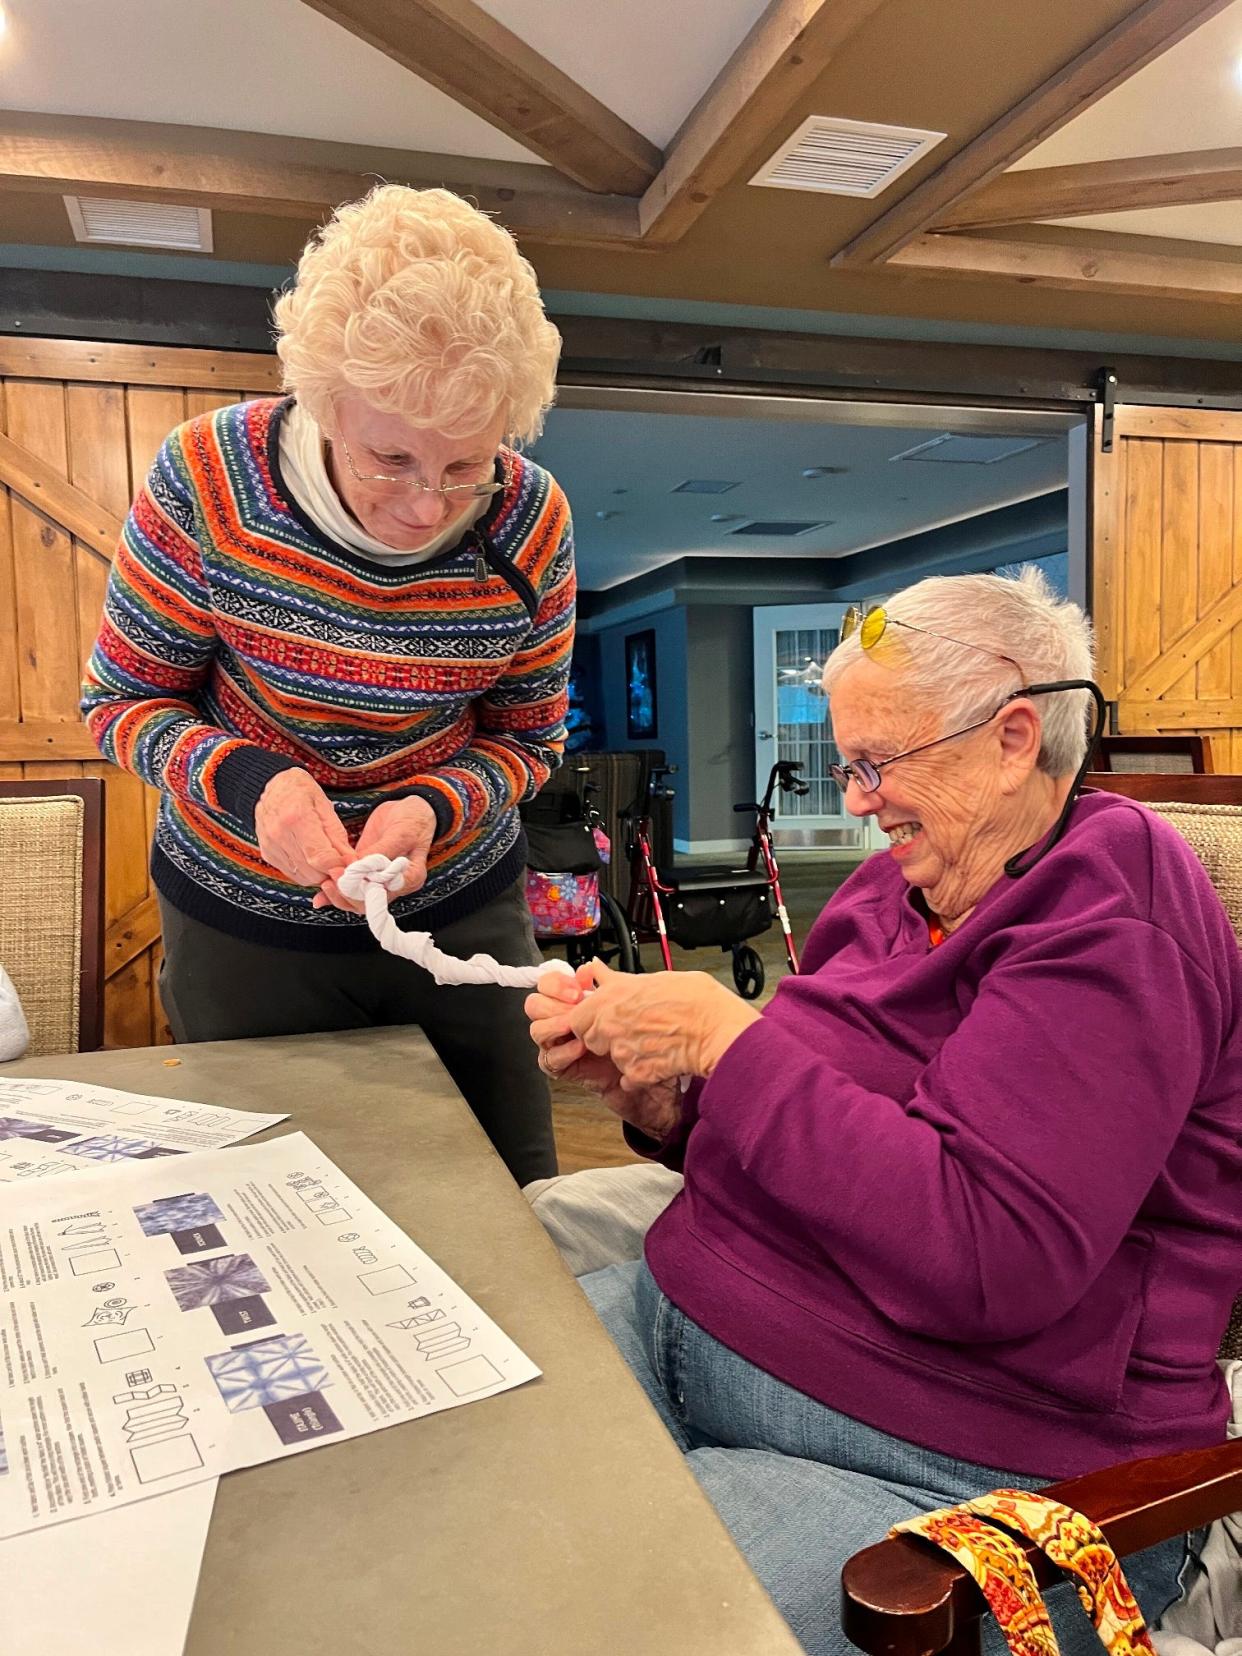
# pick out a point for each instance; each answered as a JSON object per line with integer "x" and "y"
{"x": 848, "y": 158}
{"x": 140, "y": 223}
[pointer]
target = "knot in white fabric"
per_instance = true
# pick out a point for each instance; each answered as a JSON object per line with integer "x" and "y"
{"x": 369, "y": 882}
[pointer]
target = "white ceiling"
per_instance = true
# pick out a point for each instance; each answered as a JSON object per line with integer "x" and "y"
{"x": 649, "y": 61}
{"x": 1188, "y": 99}
{"x": 595, "y": 453}
{"x": 249, "y": 65}
{"x": 1218, "y": 221}
{"x": 277, "y": 66}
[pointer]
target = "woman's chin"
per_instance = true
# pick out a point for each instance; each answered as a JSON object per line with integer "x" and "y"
{"x": 401, "y": 537}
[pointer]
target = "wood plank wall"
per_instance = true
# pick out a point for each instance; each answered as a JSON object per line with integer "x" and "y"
{"x": 82, "y": 424}
{"x": 1168, "y": 574}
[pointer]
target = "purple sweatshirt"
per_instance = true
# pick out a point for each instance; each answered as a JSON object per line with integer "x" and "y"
{"x": 987, "y": 1197}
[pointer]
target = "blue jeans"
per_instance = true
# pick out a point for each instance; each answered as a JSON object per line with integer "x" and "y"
{"x": 801, "y": 1488}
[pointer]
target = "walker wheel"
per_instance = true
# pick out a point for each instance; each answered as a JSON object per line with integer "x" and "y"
{"x": 748, "y": 972}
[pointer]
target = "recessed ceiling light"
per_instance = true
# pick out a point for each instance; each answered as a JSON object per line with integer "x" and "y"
{"x": 604, "y": 516}
{"x": 824, "y": 471}
{"x": 726, "y": 517}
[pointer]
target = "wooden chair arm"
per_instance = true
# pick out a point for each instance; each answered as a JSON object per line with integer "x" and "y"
{"x": 902, "y": 1598}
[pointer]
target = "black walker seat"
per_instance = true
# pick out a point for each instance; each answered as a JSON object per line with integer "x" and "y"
{"x": 715, "y": 907}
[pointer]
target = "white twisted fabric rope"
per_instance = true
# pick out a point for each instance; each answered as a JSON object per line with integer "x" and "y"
{"x": 369, "y": 882}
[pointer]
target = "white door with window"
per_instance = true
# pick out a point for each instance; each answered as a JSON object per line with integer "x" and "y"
{"x": 792, "y": 642}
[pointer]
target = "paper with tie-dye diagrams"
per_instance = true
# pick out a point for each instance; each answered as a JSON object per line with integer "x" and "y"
{"x": 164, "y": 1321}
{"x": 48, "y": 1128}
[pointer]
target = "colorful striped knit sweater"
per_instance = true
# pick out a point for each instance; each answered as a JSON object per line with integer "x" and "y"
{"x": 237, "y": 641}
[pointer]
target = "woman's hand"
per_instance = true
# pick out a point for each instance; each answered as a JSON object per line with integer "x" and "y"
{"x": 299, "y": 833}
{"x": 654, "y": 1110}
{"x": 398, "y": 828}
{"x": 658, "y": 1027}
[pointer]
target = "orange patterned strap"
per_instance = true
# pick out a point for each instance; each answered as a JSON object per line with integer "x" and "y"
{"x": 998, "y": 1564}
{"x": 1076, "y": 1545}
{"x": 1073, "y": 1543}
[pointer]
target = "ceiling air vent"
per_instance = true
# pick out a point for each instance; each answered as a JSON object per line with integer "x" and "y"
{"x": 140, "y": 223}
{"x": 778, "y": 526}
{"x": 849, "y": 158}
{"x": 705, "y": 485}
{"x": 951, "y": 450}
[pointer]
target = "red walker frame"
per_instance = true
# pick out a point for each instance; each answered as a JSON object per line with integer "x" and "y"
{"x": 645, "y": 908}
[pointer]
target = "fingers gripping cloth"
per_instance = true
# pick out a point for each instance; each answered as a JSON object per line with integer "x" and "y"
{"x": 370, "y": 880}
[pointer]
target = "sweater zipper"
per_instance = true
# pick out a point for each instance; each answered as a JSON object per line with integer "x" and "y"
{"x": 486, "y": 557}
{"x": 510, "y": 574}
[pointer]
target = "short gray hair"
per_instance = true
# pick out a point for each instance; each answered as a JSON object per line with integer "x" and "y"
{"x": 1019, "y": 616}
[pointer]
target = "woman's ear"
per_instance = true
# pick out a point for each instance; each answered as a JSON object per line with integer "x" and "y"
{"x": 1021, "y": 736}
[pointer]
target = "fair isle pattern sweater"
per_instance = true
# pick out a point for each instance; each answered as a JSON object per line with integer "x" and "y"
{"x": 237, "y": 641}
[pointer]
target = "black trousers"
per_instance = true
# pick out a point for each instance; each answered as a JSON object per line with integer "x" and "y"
{"x": 219, "y": 988}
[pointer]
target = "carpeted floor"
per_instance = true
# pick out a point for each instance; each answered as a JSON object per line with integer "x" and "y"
{"x": 587, "y": 1134}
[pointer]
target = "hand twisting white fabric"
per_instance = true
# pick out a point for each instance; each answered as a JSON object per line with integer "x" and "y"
{"x": 369, "y": 882}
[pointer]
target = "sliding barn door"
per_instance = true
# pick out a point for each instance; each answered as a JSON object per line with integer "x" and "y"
{"x": 1167, "y": 573}
{"x": 79, "y": 425}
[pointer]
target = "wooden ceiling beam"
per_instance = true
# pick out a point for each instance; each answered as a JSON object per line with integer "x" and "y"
{"x": 466, "y": 53}
{"x": 781, "y": 58}
{"x": 1077, "y": 266}
{"x": 51, "y": 154}
{"x": 1148, "y": 31}
{"x": 1143, "y": 181}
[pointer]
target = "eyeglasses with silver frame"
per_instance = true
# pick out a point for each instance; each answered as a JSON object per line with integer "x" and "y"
{"x": 449, "y": 491}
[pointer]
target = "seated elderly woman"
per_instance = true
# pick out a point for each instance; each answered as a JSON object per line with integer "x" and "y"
{"x": 961, "y": 1205}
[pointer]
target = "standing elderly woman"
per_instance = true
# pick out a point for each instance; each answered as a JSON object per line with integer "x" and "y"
{"x": 961, "y": 1205}
{"x": 340, "y": 623}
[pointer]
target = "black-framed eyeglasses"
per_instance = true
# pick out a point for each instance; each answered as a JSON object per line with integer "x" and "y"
{"x": 867, "y": 772}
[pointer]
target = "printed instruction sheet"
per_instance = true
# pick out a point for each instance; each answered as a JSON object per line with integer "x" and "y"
{"x": 53, "y": 1127}
{"x": 165, "y": 1321}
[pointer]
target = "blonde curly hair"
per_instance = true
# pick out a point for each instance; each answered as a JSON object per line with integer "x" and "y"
{"x": 424, "y": 306}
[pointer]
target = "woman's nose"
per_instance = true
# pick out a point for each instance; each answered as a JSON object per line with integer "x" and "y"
{"x": 860, "y": 801}
{"x": 429, "y": 506}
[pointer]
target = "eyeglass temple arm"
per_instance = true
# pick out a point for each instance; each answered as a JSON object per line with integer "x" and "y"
{"x": 1026, "y": 690}
{"x": 1017, "y": 866}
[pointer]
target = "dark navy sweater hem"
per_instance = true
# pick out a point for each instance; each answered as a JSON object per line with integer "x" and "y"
{"x": 333, "y": 937}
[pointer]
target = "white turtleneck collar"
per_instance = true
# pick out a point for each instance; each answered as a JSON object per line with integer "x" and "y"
{"x": 304, "y": 468}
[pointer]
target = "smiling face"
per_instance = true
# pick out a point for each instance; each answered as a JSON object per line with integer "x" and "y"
{"x": 954, "y": 813}
{"x": 405, "y": 518}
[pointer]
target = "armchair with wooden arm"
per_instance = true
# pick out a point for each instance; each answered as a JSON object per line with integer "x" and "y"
{"x": 901, "y": 1598}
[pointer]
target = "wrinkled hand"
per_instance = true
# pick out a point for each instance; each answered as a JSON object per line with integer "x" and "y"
{"x": 398, "y": 828}
{"x": 299, "y": 833}
{"x": 659, "y": 1027}
{"x": 654, "y": 1110}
